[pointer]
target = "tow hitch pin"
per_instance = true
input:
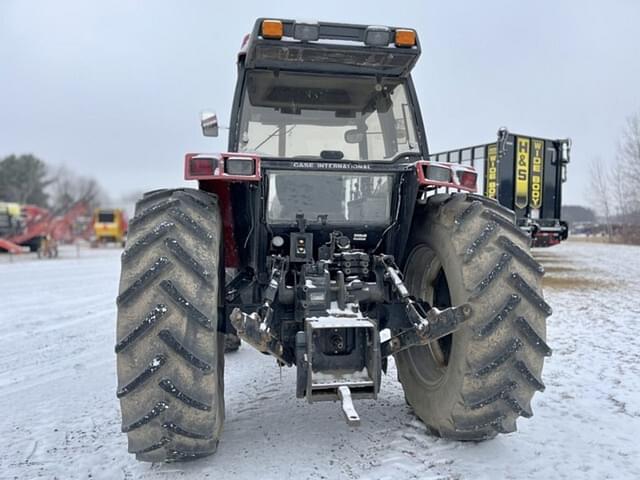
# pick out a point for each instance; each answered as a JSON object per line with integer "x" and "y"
{"x": 350, "y": 414}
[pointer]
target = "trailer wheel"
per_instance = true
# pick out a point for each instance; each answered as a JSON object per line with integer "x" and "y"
{"x": 475, "y": 383}
{"x": 170, "y": 355}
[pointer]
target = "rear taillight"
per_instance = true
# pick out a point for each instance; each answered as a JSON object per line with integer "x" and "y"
{"x": 202, "y": 166}
{"x": 467, "y": 179}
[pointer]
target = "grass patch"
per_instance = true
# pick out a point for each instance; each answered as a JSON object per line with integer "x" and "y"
{"x": 558, "y": 268}
{"x": 553, "y": 260}
{"x": 575, "y": 283}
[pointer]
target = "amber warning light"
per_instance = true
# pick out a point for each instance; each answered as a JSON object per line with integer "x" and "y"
{"x": 272, "y": 29}
{"x": 405, "y": 37}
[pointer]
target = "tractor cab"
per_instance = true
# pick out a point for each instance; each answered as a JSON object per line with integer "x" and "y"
{"x": 11, "y": 220}
{"x": 326, "y": 124}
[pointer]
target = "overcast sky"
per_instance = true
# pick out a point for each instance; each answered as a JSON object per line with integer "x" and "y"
{"x": 113, "y": 89}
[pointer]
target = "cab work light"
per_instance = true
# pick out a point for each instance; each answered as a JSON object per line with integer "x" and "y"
{"x": 377, "y": 36}
{"x": 240, "y": 166}
{"x": 438, "y": 173}
{"x": 272, "y": 29}
{"x": 306, "y": 32}
{"x": 405, "y": 37}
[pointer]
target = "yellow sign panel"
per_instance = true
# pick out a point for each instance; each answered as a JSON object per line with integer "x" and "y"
{"x": 536, "y": 173}
{"x": 491, "y": 175}
{"x": 522, "y": 171}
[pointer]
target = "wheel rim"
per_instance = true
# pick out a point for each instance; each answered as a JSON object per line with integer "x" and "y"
{"x": 427, "y": 281}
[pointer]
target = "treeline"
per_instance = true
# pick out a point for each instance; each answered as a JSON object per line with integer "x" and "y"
{"x": 26, "y": 179}
{"x": 615, "y": 185}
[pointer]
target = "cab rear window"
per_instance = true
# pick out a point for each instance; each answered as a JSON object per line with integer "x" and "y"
{"x": 106, "y": 217}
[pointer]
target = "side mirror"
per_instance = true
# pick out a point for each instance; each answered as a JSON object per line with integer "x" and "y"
{"x": 209, "y": 124}
{"x": 353, "y": 136}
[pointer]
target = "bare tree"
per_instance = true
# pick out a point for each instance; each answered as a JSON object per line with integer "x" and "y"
{"x": 629, "y": 163}
{"x": 599, "y": 186}
{"x": 620, "y": 193}
{"x": 133, "y": 196}
{"x": 68, "y": 189}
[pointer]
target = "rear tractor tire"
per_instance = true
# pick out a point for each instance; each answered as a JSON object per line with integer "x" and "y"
{"x": 475, "y": 383}
{"x": 170, "y": 354}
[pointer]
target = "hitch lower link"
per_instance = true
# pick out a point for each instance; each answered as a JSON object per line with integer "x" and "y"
{"x": 427, "y": 326}
{"x": 255, "y": 328}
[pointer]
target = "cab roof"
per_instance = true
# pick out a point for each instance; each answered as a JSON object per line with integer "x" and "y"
{"x": 277, "y": 44}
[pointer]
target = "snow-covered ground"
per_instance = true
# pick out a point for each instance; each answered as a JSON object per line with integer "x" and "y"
{"x": 60, "y": 417}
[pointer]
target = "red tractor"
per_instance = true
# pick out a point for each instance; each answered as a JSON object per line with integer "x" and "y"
{"x": 343, "y": 245}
